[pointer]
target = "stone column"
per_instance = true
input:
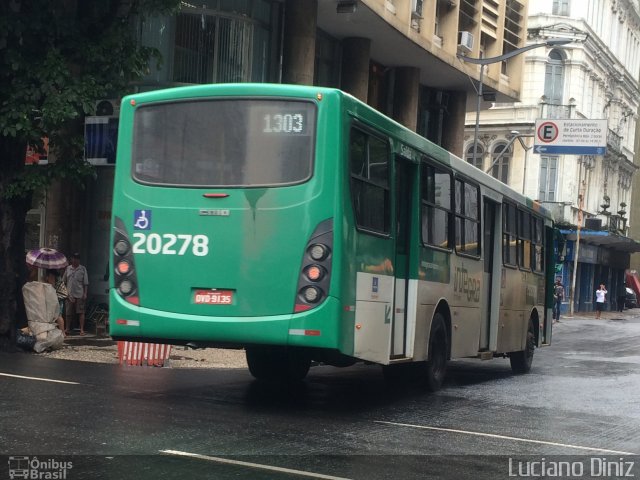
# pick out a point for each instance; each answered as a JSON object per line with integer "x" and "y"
{"x": 355, "y": 67}
{"x": 405, "y": 97}
{"x": 299, "y": 47}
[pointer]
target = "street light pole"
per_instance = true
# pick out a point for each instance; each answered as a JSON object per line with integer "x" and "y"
{"x": 478, "y": 104}
{"x": 482, "y": 61}
{"x": 526, "y": 149}
{"x": 514, "y": 135}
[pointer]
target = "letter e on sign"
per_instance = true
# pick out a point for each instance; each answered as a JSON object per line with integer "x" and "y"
{"x": 548, "y": 132}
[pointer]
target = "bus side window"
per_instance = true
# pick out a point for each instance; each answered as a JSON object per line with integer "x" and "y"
{"x": 467, "y": 218}
{"x": 524, "y": 239}
{"x": 509, "y": 234}
{"x": 436, "y": 206}
{"x": 538, "y": 247}
{"x": 369, "y": 168}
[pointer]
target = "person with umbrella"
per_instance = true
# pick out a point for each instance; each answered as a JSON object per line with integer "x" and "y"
{"x": 41, "y": 301}
{"x": 77, "y": 280}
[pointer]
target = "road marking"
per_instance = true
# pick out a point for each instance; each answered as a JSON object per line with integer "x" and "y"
{"x": 504, "y": 437}
{"x": 259, "y": 466}
{"x": 38, "y": 378}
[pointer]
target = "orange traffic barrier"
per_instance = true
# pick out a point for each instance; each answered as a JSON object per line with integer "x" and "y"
{"x": 143, "y": 354}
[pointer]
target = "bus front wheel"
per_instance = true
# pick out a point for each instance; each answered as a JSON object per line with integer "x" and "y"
{"x": 521, "y": 361}
{"x": 436, "y": 366}
{"x": 277, "y": 363}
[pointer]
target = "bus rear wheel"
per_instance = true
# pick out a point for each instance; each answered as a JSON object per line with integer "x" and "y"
{"x": 277, "y": 363}
{"x": 521, "y": 361}
{"x": 436, "y": 367}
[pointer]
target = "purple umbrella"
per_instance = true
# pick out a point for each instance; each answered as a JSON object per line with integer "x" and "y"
{"x": 47, "y": 258}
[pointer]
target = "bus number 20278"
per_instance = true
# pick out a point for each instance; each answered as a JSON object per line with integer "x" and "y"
{"x": 170, "y": 244}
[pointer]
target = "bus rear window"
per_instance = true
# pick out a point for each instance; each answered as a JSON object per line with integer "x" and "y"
{"x": 228, "y": 143}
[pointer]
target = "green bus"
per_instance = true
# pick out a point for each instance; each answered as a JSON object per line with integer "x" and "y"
{"x": 304, "y": 226}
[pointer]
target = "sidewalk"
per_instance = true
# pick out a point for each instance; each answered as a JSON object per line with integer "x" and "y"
{"x": 90, "y": 348}
{"x": 628, "y": 314}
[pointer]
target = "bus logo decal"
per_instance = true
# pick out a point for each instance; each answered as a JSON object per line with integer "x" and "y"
{"x": 465, "y": 284}
{"x": 142, "y": 219}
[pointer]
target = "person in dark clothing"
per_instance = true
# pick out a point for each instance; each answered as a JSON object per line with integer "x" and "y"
{"x": 622, "y": 295}
{"x": 558, "y": 297}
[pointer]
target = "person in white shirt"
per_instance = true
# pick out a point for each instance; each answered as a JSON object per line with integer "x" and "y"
{"x": 601, "y": 298}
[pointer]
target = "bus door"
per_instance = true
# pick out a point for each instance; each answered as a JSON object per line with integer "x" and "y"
{"x": 491, "y": 241}
{"x": 406, "y": 175}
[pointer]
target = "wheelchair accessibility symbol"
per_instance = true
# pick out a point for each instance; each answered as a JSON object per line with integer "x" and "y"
{"x": 142, "y": 219}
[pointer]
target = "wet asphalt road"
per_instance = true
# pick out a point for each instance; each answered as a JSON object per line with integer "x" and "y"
{"x": 580, "y": 402}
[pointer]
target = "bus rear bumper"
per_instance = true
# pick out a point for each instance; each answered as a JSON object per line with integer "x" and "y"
{"x": 318, "y": 328}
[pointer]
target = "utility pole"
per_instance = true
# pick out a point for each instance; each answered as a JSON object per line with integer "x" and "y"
{"x": 576, "y": 249}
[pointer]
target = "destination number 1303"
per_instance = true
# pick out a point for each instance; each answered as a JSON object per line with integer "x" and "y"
{"x": 171, "y": 244}
{"x": 283, "y": 123}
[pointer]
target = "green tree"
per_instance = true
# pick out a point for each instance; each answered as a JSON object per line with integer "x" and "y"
{"x": 57, "y": 57}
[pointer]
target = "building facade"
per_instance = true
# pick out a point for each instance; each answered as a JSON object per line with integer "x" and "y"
{"x": 593, "y": 77}
{"x": 399, "y": 56}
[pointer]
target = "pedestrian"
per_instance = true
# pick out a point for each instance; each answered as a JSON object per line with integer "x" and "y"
{"x": 622, "y": 295}
{"x": 61, "y": 288}
{"x": 77, "y": 280}
{"x": 558, "y": 297}
{"x": 43, "y": 312}
{"x": 601, "y": 298}
{"x": 52, "y": 277}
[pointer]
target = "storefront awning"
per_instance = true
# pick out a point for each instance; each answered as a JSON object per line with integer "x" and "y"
{"x": 604, "y": 239}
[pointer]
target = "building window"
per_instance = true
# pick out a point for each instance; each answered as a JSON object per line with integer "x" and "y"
{"x": 479, "y": 156}
{"x": 327, "y": 63}
{"x": 416, "y": 7}
{"x": 500, "y": 159}
{"x": 548, "y": 179}
{"x": 560, "y": 7}
{"x": 554, "y": 78}
{"x": 433, "y": 106}
{"x": 369, "y": 165}
{"x": 230, "y": 42}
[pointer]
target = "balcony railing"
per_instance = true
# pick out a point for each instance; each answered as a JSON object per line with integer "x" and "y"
{"x": 618, "y": 224}
{"x": 557, "y": 112}
{"x": 614, "y": 141}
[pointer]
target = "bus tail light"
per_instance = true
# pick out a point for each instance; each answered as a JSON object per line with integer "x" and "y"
{"x": 123, "y": 267}
{"x": 125, "y": 278}
{"x": 315, "y": 271}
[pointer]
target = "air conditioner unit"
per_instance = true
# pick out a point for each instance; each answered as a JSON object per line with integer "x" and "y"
{"x": 593, "y": 223}
{"x": 107, "y": 108}
{"x": 465, "y": 41}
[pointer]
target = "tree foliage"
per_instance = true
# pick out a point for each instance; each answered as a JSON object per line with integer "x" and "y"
{"x": 57, "y": 57}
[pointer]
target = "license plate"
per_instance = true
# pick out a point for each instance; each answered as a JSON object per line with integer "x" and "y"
{"x": 213, "y": 297}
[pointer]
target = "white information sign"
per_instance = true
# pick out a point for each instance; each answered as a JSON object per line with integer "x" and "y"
{"x": 571, "y": 136}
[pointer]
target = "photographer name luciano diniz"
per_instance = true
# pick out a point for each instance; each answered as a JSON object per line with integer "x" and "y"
{"x": 589, "y": 467}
